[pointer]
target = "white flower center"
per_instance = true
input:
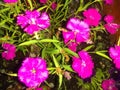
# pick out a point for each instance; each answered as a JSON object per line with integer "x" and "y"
{"x": 83, "y": 63}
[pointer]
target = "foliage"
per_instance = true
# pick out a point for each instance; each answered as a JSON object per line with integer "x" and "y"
{"x": 49, "y": 44}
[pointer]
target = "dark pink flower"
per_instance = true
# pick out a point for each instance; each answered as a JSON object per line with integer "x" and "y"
{"x": 31, "y": 29}
{"x": 109, "y": 2}
{"x": 110, "y": 26}
{"x": 68, "y": 36}
{"x": 33, "y": 21}
{"x": 83, "y": 64}
{"x": 10, "y": 50}
{"x": 38, "y": 89}
{"x": 72, "y": 46}
{"x": 8, "y": 46}
{"x": 114, "y": 53}
{"x": 92, "y": 16}
{"x": 54, "y": 5}
{"x": 80, "y": 29}
{"x": 43, "y": 1}
{"x": 108, "y": 18}
{"x": 8, "y": 55}
{"x": 33, "y": 71}
{"x": 10, "y": 1}
{"x": 109, "y": 85}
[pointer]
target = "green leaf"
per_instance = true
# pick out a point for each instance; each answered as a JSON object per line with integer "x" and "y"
{"x": 55, "y": 61}
{"x": 12, "y": 74}
{"x": 68, "y": 68}
{"x": 41, "y": 8}
{"x": 30, "y": 3}
{"x": 3, "y": 22}
{"x": 57, "y": 46}
{"x": 43, "y": 52}
{"x": 36, "y": 41}
{"x": 103, "y": 55}
{"x": 53, "y": 51}
{"x": 4, "y": 10}
{"x": 88, "y": 47}
{"x": 60, "y": 80}
{"x": 70, "y": 52}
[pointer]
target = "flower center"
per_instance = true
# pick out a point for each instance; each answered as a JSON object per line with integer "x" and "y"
{"x": 83, "y": 64}
{"x": 33, "y": 21}
{"x": 33, "y": 71}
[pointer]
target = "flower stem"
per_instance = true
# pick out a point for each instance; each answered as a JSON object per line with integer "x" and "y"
{"x": 30, "y": 3}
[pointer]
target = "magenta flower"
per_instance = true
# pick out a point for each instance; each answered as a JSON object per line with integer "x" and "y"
{"x": 83, "y": 64}
{"x": 92, "y": 16}
{"x": 110, "y": 26}
{"x": 68, "y": 35}
{"x": 72, "y": 46}
{"x": 109, "y": 2}
{"x": 33, "y": 71}
{"x": 10, "y": 50}
{"x": 80, "y": 29}
{"x": 114, "y": 53}
{"x": 10, "y": 1}
{"x": 54, "y": 5}
{"x": 33, "y": 21}
{"x": 109, "y": 85}
{"x": 108, "y": 18}
{"x": 43, "y": 1}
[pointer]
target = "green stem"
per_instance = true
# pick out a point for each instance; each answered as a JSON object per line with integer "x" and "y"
{"x": 51, "y": 68}
{"x": 49, "y": 85}
{"x": 30, "y": 3}
{"x": 10, "y": 74}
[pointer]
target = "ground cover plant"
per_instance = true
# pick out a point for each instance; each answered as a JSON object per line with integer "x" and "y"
{"x": 57, "y": 45}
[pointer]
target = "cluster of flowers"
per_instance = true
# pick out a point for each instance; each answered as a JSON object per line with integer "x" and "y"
{"x": 34, "y": 70}
{"x": 79, "y": 30}
{"x": 110, "y": 26}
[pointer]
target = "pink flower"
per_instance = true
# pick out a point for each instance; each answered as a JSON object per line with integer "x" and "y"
{"x": 33, "y": 21}
{"x": 69, "y": 35}
{"x": 80, "y": 29}
{"x": 108, "y": 18}
{"x": 33, "y": 72}
{"x": 10, "y": 50}
{"x": 54, "y": 5}
{"x": 10, "y": 1}
{"x": 67, "y": 75}
{"x": 72, "y": 46}
{"x": 109, "y": 85}
{"x": 43, "y": 1}
{"x": 114, "y": 53}
{"x": 110, "y": 26}
{"x": 92, "y": 16}
{"x": 83, "y": 64}
{"x": 109, "y": 2}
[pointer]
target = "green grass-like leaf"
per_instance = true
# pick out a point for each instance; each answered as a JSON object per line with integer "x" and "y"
{"x": 36, "y": 41}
